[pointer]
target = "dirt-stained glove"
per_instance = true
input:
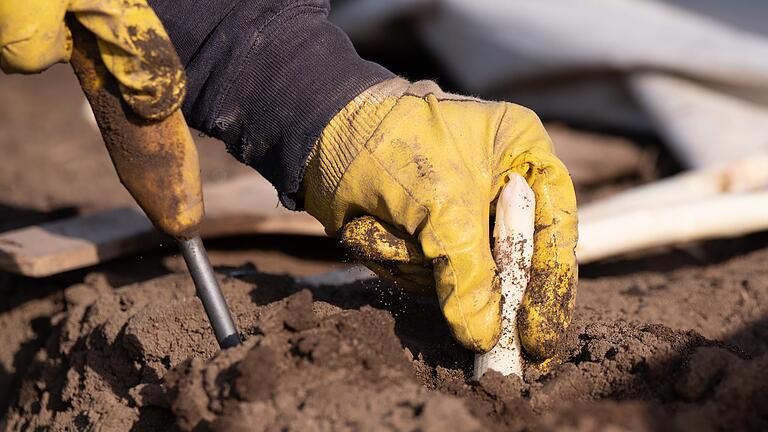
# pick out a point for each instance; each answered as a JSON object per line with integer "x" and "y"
{"x": 133, "y": 44}
{"x": 408, "y": 175}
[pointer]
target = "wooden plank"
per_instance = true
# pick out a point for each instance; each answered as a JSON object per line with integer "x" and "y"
{"x": 244, "y": 205}
{"x": 249, "y": 205}
{"x": 72, "y": 243}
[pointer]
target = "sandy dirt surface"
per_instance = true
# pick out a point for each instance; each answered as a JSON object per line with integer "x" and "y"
{"x": 667, "y": 340}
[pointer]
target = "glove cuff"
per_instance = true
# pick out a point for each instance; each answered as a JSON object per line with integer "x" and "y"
{"x": 342, "y": 139}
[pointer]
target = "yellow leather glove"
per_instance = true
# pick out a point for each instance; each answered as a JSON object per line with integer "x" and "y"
{"x": 133, "y": 44}
{"x": 408, "y": 175}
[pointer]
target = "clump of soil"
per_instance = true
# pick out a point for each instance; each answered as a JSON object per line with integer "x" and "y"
{"x": 364, "y": 357}
{"x": 346, "y": 371}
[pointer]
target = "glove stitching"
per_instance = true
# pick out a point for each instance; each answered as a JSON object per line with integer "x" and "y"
{"x": 362, "y": 147}
{"x": 498, "y": 127}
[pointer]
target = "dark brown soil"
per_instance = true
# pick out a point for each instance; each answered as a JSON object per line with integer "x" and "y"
{"x": 680, "y": 350}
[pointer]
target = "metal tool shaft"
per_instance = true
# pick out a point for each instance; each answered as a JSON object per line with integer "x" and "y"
{"x": 208, "y": 290}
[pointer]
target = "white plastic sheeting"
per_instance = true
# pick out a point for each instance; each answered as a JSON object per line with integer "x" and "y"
{"x": 701, "y": 81}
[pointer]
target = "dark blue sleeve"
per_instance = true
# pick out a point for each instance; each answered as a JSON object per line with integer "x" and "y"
{"x": 265, "y": 77}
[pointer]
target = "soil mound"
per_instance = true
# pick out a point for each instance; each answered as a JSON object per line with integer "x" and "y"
{"x": 346, "y": 371}
{"x": 142, "y": 357}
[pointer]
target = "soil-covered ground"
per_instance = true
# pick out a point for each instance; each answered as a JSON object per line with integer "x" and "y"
{"x": 685, "y": 349}
{"x": 674, "y": 339}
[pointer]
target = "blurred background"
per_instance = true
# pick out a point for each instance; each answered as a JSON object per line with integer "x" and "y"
{"x": 629, "y": 67}
{"x": 631, "y": 91}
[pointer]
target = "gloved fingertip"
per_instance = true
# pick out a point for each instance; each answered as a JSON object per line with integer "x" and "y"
{"x": 546, "y": 312}
{"x": 476, "y": 322}
{"x": 541, "y": 345}
{"x": 481, "y": 333}
{"x": 370, "y": 240}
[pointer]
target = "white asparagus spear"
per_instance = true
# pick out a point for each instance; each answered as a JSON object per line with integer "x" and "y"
{"x": 727, "y": 215}
{"x": 745, "y": 175}
{"x": 512, "y": 251}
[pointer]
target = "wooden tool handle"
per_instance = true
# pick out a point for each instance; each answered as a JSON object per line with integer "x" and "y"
{"x": 156, "y": 160}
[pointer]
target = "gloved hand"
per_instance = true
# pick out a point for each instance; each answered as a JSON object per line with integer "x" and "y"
{"x": 133, "y": 45}
{"x": 425, "y": 168}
